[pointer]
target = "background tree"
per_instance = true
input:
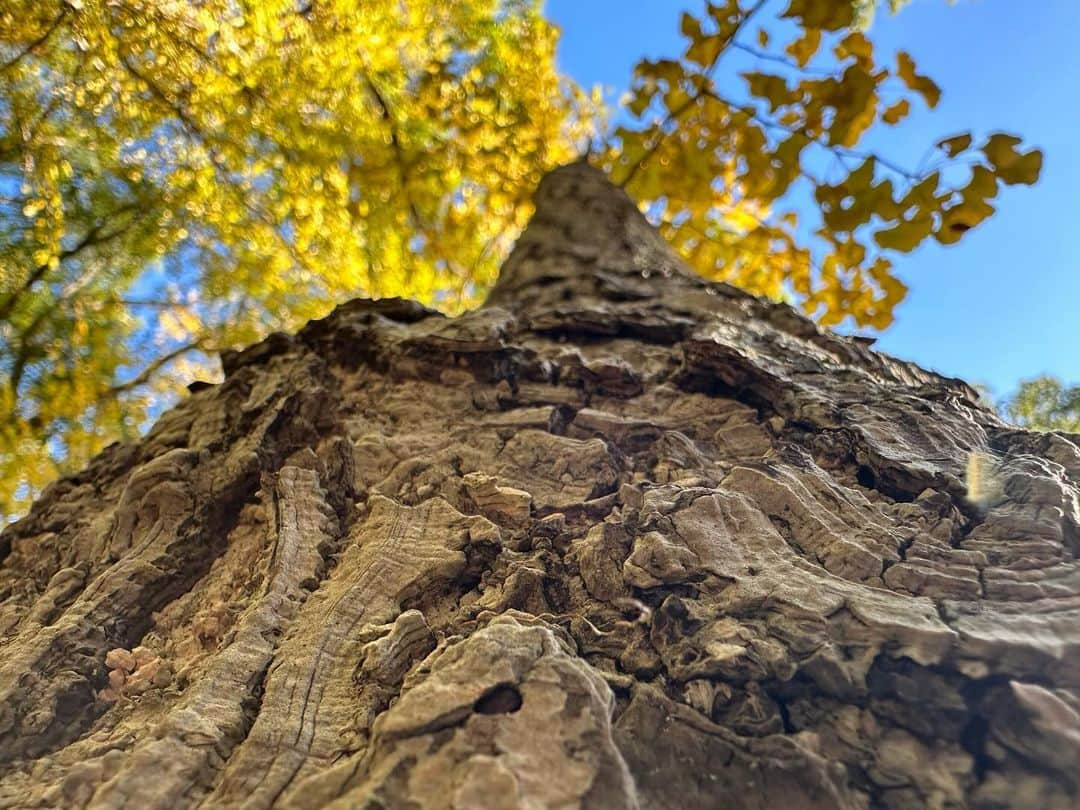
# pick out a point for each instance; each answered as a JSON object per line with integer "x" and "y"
{"x": 1045, "y": 403}
{"x": 179, "y": 178}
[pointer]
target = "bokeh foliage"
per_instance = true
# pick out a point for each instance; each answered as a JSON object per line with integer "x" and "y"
{"x": 1045, "y": 403}
{"x": 179, "y": 177}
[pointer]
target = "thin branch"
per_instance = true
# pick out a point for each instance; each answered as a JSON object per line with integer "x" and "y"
{"x": 404, "y": 171}
{"x": 145, "y": 302}
{"x": 781, "y": 60}
{"x": 399, "y": 152}
{"x": 220, "y": 164}
{"x": 26, "y": 351}
{"x": 154, "y": 367}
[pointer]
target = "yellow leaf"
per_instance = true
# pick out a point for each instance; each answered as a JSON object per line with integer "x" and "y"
{"x": 829, "y": 15}
{"x": 704, "y": 51}
{"x": 690, "y": 26}
{"x": 642, "y": 98}
{"x": 856, "y": 44}
{"x": 802, "y": 50}
{"x": 983, "y": 184}
{"x": 770, "y": 87}
{"x": 907, "y": 235}
{"x": 960, "y": 219}
{"x": 33, "y": 208}
{"x": 923, "y": 85}
{"x": 1011, "y": 166}
{"x": 956, "y": 144}
{"x": 923, "y": 194}
{"x": 897, "y": 112}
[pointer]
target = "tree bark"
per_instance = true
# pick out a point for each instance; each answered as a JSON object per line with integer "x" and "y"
{"x": 621, "y": 538}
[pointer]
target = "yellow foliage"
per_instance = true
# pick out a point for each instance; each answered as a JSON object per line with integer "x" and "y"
{"x": 278, "y": 157}
{"x": 184, "y": 177}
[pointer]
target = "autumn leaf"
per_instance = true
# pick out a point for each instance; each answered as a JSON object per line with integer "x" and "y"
{"x": 1011, "y": 166}
{"x": 768, "y": 86}
{"x": 961, "y": 218}
{"x": 802, "y": 50}
{"x": 897, "y": 112}
{"x": 956, "y": 144}
{"x": 923, "y": 85}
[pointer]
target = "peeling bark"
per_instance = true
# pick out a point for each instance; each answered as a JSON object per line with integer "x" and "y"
{"x": 621, "y": 538}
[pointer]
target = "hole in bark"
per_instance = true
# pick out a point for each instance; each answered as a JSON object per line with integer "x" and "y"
{"x": 865, "y": 476}
{"x": 973, "y": 739}
{"x": 503, "y": 699}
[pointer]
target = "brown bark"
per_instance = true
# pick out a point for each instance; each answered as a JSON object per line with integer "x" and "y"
{"x": 621, "y": 538}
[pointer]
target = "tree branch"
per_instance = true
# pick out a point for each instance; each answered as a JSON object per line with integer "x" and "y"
{"x": 144, "y": 376}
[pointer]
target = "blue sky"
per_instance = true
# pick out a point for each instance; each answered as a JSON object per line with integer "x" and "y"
{"x": 1004, "y": 304}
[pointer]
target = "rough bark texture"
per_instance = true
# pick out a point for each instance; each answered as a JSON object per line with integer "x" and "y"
{"x": 621, "y": 538}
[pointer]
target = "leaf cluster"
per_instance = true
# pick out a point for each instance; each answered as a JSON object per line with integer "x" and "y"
{"x": 726, "y": 173}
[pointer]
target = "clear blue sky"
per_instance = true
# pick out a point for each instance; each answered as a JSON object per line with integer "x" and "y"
{"x": 1005, "y": 303}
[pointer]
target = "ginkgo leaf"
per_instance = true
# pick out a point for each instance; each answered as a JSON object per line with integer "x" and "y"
{"x": 982, "y": 185}
{"x": 642, "y": 98}
{"x": 961, "y": 218}
{"x": 906, "y": 235}
{"x": 923, "y": 85}
{"x": 857, "y": 45}
{"x": 690, "y": 26}
{"x": 897, "y": 112}
{"x": 828, "y": 15}
{"x": 768, "y": 86}
{"x": 1011, "y": 166}
{"x": 802, "y": 50}
{"x": 956, "y": 144}
{"x": 705, "y": 50}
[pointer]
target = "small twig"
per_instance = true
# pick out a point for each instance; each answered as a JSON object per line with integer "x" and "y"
{"x": 782, "y": 60}
{"x": 147, "y": 373}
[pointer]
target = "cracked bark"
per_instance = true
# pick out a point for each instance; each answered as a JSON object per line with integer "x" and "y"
{"x": 620, "y": 538}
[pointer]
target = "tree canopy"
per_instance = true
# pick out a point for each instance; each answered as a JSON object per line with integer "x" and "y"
{"x": 178, "y": 178}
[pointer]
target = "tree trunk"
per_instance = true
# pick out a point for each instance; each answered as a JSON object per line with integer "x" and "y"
{"x": 621, "y": 538}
